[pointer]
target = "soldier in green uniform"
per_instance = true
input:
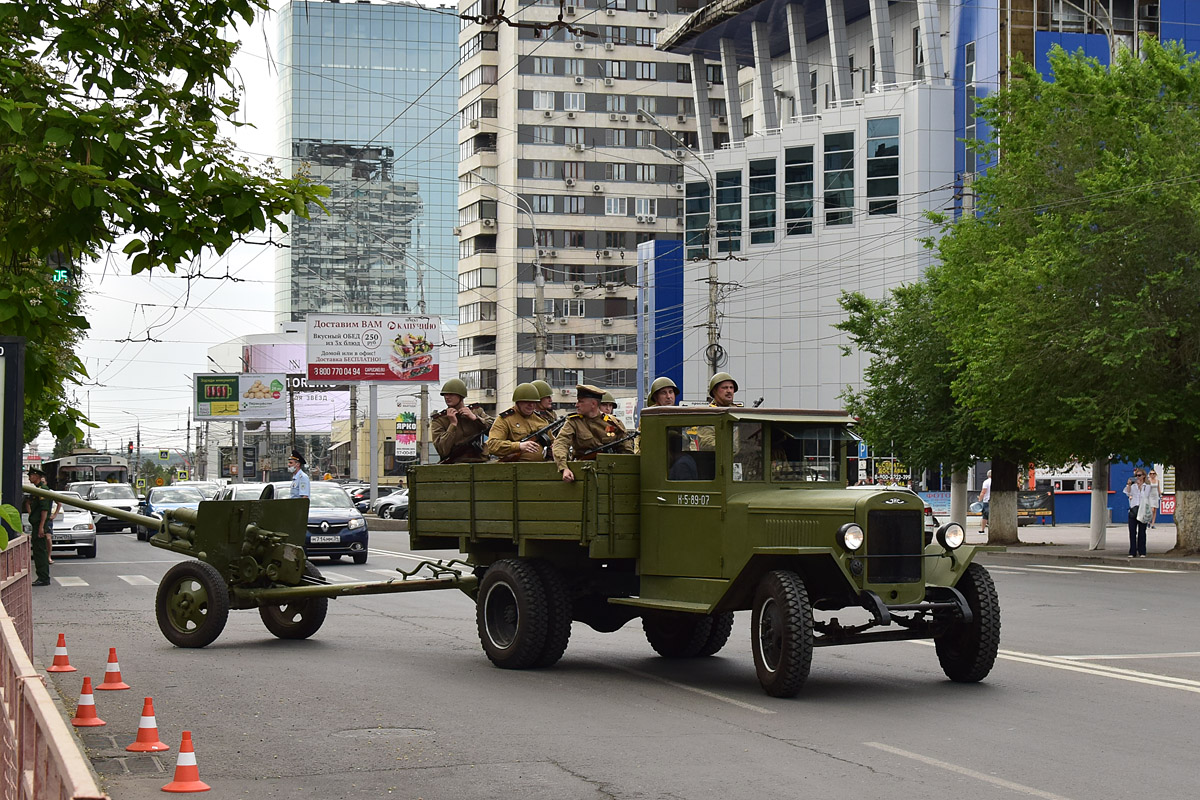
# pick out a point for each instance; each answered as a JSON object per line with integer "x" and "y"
{"x": 545, "y": 408}
{"x": 663, "y": 392}
{"x": 608, "y": 403}
{"x": 41, "y": 523}
{"x": 587, "y": 429}
{"x": 458, "y": 429}
{"x": 513, "y": 425}
{"x": 721, "y": 388}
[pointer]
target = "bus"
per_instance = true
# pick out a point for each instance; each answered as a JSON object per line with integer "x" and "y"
{"x": 86, "y": 465}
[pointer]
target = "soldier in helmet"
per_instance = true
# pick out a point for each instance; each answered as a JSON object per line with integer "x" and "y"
{"x": 587, "y": 429}
{"x": 514, "y": 425}
{"x": 663, "y": 392}
{"x": 545, "y": 408}
{"x": 608, "y": 403}
{"x": 721, "y": 388}
{"x": 458, "y": 429}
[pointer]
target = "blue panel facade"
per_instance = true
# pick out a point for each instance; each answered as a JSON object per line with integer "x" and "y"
{"x": 1093, "y": 45}
{"x": 660, "y": 328}
{"x": 974, "y": 23}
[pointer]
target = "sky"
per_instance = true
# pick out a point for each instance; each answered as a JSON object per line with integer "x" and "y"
{"x": 147, "y": 383}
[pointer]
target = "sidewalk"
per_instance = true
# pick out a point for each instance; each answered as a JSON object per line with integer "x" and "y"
{"x": 1070, "y": 542}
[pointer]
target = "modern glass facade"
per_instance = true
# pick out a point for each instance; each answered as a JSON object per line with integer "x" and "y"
{"x": 367, "y": 96}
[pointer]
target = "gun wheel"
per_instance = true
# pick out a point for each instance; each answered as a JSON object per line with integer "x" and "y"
{"x": 781, "y": 630}
{"x": 297, "y": 619}
{"x": 967, "y": 652}
{"x": 192, "y": 604}
{"x": 511, "y": 614}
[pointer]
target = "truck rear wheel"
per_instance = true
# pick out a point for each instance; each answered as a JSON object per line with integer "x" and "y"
{"x": 967, "y": 652}
{"x": 297, "y": 619}
{"x": 675, "y": 634}
{"x": 511, "y": 614}
{"x": 781, "y": 633}
{"x": 558, "y": 613}
{"x": 722, "y": 627}
{"x": 192, "y": 604}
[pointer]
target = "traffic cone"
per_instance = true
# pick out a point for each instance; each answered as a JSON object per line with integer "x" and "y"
{"x": 85, "y": 712}
{"x": 187, "y": 774}
{"x": 147, "y": 736}
{"x": 62, "y": 663}
{"x": 112, "y": 673}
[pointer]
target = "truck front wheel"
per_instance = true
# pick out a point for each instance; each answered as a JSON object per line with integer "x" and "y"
{"x": 511, "y": 614}
{"x": 967, "y": 652}
{"x": 781, "y": 633}
{"x": 675, "y": 634}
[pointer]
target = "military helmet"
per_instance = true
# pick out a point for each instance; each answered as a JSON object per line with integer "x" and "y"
{"x": 526, "y": 392}
{"x": 543, "y": 388}
{"x": 658, "y": 385}
{"x": 454, "y": 386}
{"x": 608, "y": 398}
{"x": 718, "y": 379}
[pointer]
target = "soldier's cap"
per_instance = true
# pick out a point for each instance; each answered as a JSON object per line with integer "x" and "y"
{"x": 35, "y": 471}
{"x": 585, "y": 391}
{"x": 296, "y": 455}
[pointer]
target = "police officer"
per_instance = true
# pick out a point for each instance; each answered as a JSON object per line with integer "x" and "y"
{"x": 41, "y": 524}
{"x": 587, "y": 429}
{"x": 663, "y": 392}
{"x": 458, "y": 429}
{"x": 545, "y": 401}
{"x": 608, "y": 403}
{"x": 513, "y": 425}
{"x": 721, "y": 388}
{"x": 301, "y": 483}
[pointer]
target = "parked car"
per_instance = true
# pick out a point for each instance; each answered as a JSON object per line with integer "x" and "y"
{"x": 392, "y": 506}
{"x": 335, "y": 527}
{"x": 113, "y": 495}
{"x": 161, "y": 498}
{"x": 241, "y": 491}
{"x": 209, "y": 489}
{"x": 74, "y": 529}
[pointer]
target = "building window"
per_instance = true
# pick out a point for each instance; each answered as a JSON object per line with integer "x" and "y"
{"x": 480, "y": 176}
{"x": 760, "y": 198}
{"x": 647, "y": 71}
{"x": 614, "y": 102}
{"x": 476, "y": 346}
{"x": 644, "y": 138}
{"x": 645, "y": 207}
{"x": 543, "y": 65}
{"x": 614, "y": 34}
{"x": 483, "y": 108}
{"x": 619, "y": 5}
{"x": 883, "y": 165}
{"x": 614, "y": 240}
{"x": 481, "y": 75}
{"x": 543, "y": 169}
{"x": 686, "y": 106}
{"x": 716, "y": 107}
{"x": 543, "y": 101}
{"x": 616, "y": 206}
{"x": 683, "y": 73}
{"x": 481, "y": 41}
{"x": 573, "y": 136}
{"x": 839, "y": 178}
{"x": 544, "y": 238}
{"x": 614, "y": 69}
{"x": 573, "y": 205}
{"x": 482, "y": 209}
{"x": 746, "y": 91}
{"x": 645, "y": 37}
{"x": 573, "y": 239}
{"x": 969, "y": 128}
{"x": 574, "y": 101}
{"x": 713, "y": 73}
{"x": 614, "y": 172}
{"x": 477, "y": 278}
{"x": 647, "y": 5}
{"x": 572, "y": 169}
{"x": 476, "y": 312}
{"x": 647, "y": 104}
{"x": 647, "y": 173}
{"x": 543, "y": 204}
{"x": 729, "y": 211}
{"x": 479, "y": 378}
{"x": 873, "y": 78}
{"x": 573, "y": 66}
{"x": 614, "y": 138}
{"x": 918, "y": 56}
{"x": 543, "y": 134}
{"x": 480, "y": 8}
{"x": 747, "y": 126}
{"x": 812, "y": 86}
{"x": 798, "y": 191}
{"x": 695, "y": 207}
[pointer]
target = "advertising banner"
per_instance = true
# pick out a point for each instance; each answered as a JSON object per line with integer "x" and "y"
{"x": 240, "y": 396}
{"x": 346, "y": 347}
{"x": 406, "y": 427}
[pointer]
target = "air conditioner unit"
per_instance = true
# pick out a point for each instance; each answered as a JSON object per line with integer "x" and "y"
{"x": 720, "y": 120}
{"x": 565, "y": 392}
{"x": 610, "y": 12}
{"x": 610, "y": 288}
{"x": 679, "y": 187}
{"x": 474, "y": 123}
{"x": 569, "y": 11}
{"x": 489, "y": 392}
{"x": 579, "y": 80}
{"x": 612, "y": 117}
{"x": 653, "y": 15}
{"x": 571, "y": 115}
{"x": 458, "y": 231}
{"x": 652, "y": 220}
{"x": 641, "y": 218}
{"x": 596, "y": 187}
{"x": 562, "y": 320}
{"x": 579, "y": 45}
{"x": 624, "y": 118}
{"x": 681, "y": 118}
{"x": 606, "y": 253}
{"x": 543, "y": 253}
{"x": 679, "y": 221}
{"x": 577, "y": 288}
{"x": 580, "y": 354}
{"x": 580, "y": 147}
{"x": 641, "y": 118}
{"x": 709, "y": 84}
{"x": 607, "y": 321}
{"x": 610, "y": 355}
{"x": 548, "y": 114}
{"x": 608, "y": 81}
{"x": 570, "y": 181}
{"x": 609, "y": 45}
{"x": 489, "y": 223}
{"x": 680, "y": 153}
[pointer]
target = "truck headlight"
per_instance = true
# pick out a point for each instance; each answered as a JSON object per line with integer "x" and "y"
{"x": 356, "y": 523}
{"x": 951, "y": 535}
{"x": 851, "y": 537}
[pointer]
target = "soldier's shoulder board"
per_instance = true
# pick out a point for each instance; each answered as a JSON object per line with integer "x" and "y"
{"x": 437, "y": 414}
{"x": 575, "y": 416}
{"x": 508, "y": 413}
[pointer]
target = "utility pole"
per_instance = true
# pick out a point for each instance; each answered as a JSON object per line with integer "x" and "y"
{"x": 354, "y": 431}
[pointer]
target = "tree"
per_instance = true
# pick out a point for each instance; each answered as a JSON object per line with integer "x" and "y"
{"x": 1076, "y": 290}
{"x": 109, "y": 115}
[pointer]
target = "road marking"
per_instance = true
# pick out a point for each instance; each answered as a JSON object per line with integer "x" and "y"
{"x": 1113, "y": 568}
{"x": 174, "y": 561}
{"x": 138, "y": 580}
{"x": 337, "y": 576}
{"x": 1193, "y": 654}
{"x": 410, "y": 557}
{"x": 69, "y": 581}
{"x": 970, "y": 773}
{"x": 694, "y": 689}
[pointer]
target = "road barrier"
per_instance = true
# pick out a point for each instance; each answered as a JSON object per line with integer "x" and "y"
{"x": 40, "y": 757}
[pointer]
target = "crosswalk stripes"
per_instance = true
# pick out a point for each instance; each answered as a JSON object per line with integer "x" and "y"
{"x": 138, "y": 580}
{"x": 1064, "y": 569}
{"x": 67, "y": 580}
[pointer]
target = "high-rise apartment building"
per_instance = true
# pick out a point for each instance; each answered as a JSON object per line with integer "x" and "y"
{"x": 368, "y": 95}
{"x": 572, "y": 134}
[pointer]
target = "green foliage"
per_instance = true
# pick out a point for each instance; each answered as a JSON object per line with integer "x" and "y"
{"x": 109, "y": 117}
{"x": 11, "y": 518}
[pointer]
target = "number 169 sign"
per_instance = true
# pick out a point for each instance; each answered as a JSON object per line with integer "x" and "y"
{"x": 349, "y": 347}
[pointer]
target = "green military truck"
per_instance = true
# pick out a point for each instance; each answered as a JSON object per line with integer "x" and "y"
{"x": 724, "y": 510}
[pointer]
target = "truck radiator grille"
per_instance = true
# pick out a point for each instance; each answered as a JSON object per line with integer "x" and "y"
{"x": 895, "y": 540}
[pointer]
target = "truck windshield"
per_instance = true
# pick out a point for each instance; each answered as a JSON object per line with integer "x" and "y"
{"x": 801, "y": 452}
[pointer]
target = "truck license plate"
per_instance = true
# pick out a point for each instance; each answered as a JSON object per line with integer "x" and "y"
{"x": 324, "y": 539}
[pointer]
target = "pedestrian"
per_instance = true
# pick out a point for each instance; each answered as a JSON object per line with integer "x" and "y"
{"x": 1140, "y": 497}
{"x": 588, "y": 429}
{"x": 1153, "y": 481}
{"x": 985, "y": 501}
{"x": 301, "y": 484}
{"x": 40, "y": 526}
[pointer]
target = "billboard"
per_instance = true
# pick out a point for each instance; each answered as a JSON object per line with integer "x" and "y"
{"x": 247, "y": 396}
{"x": 349, "y": 347}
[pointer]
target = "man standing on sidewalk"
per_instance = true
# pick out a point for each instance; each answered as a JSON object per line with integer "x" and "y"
{"x": 985, "y": 500}
{"x": 41, "y": 524}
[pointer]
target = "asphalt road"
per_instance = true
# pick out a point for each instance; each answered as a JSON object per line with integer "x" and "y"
{"x": 1095, "y": 696}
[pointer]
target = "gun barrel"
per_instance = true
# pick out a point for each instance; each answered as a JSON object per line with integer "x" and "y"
{"x": 97, "y": 508}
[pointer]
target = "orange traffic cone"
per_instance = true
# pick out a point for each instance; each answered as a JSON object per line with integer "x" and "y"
{"x": 112, "y": 673}
{"x": 62, "y": 663}
{"x": 187, "y": 774}
{"x": 147, "y": 736}
{"x": 85, "y": 713}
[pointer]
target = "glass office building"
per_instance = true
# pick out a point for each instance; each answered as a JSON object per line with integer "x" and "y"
{"x": 367, "y": 95}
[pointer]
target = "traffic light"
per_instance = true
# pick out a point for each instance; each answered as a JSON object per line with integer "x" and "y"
{"x": 129, "y": 447}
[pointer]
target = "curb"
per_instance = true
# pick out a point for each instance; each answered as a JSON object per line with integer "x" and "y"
{"x": 1088, "y": 557}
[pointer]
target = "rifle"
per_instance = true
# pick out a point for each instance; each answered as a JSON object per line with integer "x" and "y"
{"x": 607, "y": 445}
{"x": 546, "y": 433}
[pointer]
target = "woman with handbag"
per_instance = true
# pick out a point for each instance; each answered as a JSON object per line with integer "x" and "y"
{"x": 1142, "y": 497}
